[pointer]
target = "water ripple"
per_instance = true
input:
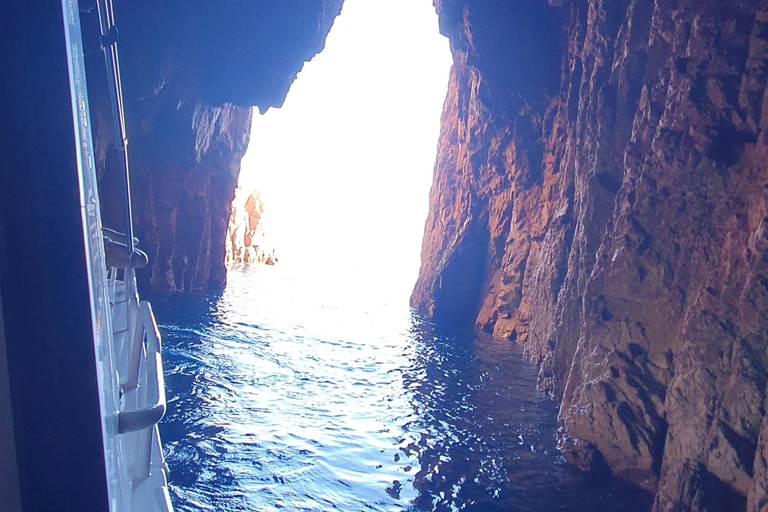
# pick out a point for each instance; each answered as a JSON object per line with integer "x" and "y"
{"x": 278, "y": 402}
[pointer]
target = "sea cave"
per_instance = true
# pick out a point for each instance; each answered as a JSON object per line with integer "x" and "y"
{"x": 586, "y": 328}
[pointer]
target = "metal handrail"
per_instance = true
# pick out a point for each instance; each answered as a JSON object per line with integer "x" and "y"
{"x": 109, "y": 45}
{"x": 131, "y": 421}
{"x": 142, "y": 386}
{"x": 139, "y": 368}
{"x": 154, "y": 405}
{"x": 134, "y": 340}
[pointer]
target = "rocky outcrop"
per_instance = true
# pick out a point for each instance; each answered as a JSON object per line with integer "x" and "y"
{"x": 182, "y": 207}
{"x": 191, "y": 75}
{"x": 247, "y": 240}
{"x": 608, "y": 211}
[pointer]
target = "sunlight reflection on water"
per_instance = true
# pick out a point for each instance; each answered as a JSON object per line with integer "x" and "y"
{"x": 283, "y": 400}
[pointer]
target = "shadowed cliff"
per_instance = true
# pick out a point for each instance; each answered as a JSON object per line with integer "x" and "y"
{"x": 615, "y": 225}
{"x": 192, "y": 71}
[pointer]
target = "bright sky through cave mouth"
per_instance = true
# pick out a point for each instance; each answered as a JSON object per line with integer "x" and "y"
{"x": 345, "y": 166}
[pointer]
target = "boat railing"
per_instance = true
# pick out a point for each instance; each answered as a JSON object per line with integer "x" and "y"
{"x": 150, "y": 404}
{"x": 142, "y": 388}
{"x": 136, "y": 339}
{"x": 112, "y": 60}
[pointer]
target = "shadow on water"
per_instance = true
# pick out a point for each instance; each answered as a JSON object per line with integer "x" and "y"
{"x": 193, "y": 454}
{"x": 287, "y": 404}
{"x": 488, "y": 435}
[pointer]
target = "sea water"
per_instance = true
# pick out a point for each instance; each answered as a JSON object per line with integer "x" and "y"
{"x": 287, "y": 397}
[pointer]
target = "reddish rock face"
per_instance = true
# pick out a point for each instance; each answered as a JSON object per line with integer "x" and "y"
{"x": 182, "y": 205}
{"x": 247, "y": 238}
{"x": 191, "y": 75}
{"x": 615, "y": 225}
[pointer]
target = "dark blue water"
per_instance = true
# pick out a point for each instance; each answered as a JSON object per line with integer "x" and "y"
{"x": 285, "y": 398}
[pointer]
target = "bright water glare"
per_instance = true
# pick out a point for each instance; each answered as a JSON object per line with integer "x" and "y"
{"x": 289, "y": 396}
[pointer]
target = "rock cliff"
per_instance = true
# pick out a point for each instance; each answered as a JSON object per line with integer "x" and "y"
{"x": 191, "y": 74}
{"x": 247, "y": 240}
{"x": 600, "y": 196}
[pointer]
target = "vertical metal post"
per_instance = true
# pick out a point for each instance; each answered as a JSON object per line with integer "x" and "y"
{"x": 109, "y": 45}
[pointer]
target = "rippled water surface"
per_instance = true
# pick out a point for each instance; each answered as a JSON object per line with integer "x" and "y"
{"x": 285, "y": 399}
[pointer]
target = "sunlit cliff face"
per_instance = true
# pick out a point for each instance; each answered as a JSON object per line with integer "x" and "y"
{"x": 345, "y": 165}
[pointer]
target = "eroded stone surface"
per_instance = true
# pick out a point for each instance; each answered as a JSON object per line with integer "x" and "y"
{"x": 616, "y": 227}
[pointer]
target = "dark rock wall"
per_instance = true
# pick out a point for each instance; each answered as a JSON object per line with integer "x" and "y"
{"x": 608, "y": 211}
{"x": 192, "y": 71}
{"x": 182, "y": 205}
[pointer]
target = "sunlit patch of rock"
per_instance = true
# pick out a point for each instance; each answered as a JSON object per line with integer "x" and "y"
{"x": 247, "y": 240}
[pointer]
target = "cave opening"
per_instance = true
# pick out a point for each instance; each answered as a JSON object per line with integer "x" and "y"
{"x": 598, "y": 196}
{"x": 343, "y": 168}
{"x": 311, "y": 384}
